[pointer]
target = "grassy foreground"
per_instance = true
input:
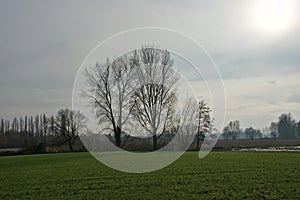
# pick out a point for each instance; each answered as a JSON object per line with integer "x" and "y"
{"x": 221, "y": 175}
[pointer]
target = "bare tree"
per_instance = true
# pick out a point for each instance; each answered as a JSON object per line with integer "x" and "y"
{"x": 37, "y": 125}
{"x": 252, "y": 133}
{"x": 21, "y": 125}
{"x": 273, "y": 130}
{"x": 15, "y": 125}
{"x": 7, "y": 126}
{"x": 2, "y": 129}
{"x": 26, "y": 125}
{"x": 265, "y": 132}
{"x": 68, "y": 124}
{"x": 232, "y": 130}
{"x": 155, "y": 99}
{"x": 110, "y": 88}
{"x": 52, "y": 125}
{"x": 45, "y": 124}
{"x": 185, "y": 122}
{"x": 31, "y": 122}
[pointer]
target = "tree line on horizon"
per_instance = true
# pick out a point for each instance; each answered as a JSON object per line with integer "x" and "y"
{"x": 285, "y": 128}
{"x": 34, "y": 133}
{"x": 133, "y": 94}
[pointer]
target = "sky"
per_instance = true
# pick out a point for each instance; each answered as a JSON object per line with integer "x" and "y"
{"x": 255, "y": 45}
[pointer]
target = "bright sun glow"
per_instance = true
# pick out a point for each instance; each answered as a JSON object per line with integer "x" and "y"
{"x": 274, "y": 16}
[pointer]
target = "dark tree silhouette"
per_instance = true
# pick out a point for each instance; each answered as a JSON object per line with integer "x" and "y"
{"x": 2, "y": 125}
{"x": 286, "y": 126}
{"x": 68, "y": 124}
{"x": 31, "y": 127}
{"x": 37, "y": 125}
{"x": 154, "y": 100}
{"x": 26, "y": 125}
{"x": 52, "y": 125}
{"x": 21, "y": 125}
{"x": 252, "y": 133}
{"x": 232, "y": 130}
{"x": 15, "y": 125}
{"x": 298, "y": 129}
{"x": 273, "y": 130}
{"x": 110, "y": 87}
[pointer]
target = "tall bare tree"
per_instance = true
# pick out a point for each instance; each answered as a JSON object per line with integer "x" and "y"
{"x": 37, "y": 125}
{"x": 52, "y": 125}
{"x": 110, "y": 88}
{"x": 185, "y": 122}
{"x": 45, "y": 125}
{"x": 26, "y": 125}
{"x": 155, "y": 99}
{"x": 15, "y": 125}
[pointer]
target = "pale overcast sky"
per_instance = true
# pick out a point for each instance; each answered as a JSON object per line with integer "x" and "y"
{"x": 255, "y": 45}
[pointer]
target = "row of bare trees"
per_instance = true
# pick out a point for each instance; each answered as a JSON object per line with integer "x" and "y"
{"x": 30, "y": 126}
{"x": 41, "y": 130}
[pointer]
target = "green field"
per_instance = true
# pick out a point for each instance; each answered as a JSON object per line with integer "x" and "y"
{"x": 221, "y": 175}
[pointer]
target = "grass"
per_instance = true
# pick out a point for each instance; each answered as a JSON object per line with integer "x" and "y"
{"x": 221, "y": 175}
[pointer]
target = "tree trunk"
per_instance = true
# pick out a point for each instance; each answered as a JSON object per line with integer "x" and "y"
{"x": 70, "y": 145}
{"x": 118, "y": 137}
{"x": 198, "y": 141}
{"x": 154, "y": 142}
{"x": 198, "y": 132}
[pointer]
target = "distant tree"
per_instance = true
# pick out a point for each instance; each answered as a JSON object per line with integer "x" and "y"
{"x": 265, "y": 132}
{"x": 45, "y": 123}
{"x": 7, "y": 126}
{"x": 286, "y": 126}
{"x": 41, "y": 129}
{"x": 298, "y": 128}
{"x": 31, "y": 126}
{"x": 252, "y": 133}
{"x": 21, "y": 121}
{"x": 273, "y": 130}
{"x": 26, "y": 125}
{"x": 15, "y": 125}
{"x": 259, "y": 133}
{"x": 52, "y": 125}
{"x": 204, "y": 122}
{"x": 37, "y": 125}
{"x": 226, "y": 133}
{"x": 2, "y": 125}
{"x": 232, "y": 130}
{"x": 2, "y": 135}
{"x": 69, "y": 123}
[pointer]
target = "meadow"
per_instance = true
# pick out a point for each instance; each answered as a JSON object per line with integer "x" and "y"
{"x": 220, "y": 175}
